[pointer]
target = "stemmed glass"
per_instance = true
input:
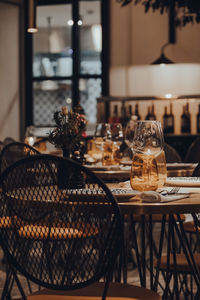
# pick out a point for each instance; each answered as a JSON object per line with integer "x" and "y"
{"x": 128, "y": 137}
{"x": 147, "y": 145}
{"x": 113, "y": 141}
{"x": 102, "y": 131}
{"x": 117, "y": 139}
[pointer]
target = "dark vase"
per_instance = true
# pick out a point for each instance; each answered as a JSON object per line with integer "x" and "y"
{"x": 69, "y": 178}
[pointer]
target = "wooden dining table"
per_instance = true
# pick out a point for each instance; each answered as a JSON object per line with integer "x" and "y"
{"x": 122, "y": 171}
{"x": 147, "y": 250}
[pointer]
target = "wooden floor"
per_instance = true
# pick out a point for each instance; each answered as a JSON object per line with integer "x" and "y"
{"x": 133, "y": 278}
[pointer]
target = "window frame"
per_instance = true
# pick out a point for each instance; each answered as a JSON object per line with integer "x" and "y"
{"x": 76, "y": 76}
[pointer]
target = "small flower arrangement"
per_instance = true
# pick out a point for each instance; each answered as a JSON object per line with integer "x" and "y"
{"x": 69, "y": 130}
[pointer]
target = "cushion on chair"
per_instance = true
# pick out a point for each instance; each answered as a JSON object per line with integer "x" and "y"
{"x": 58, "y": 232}
{"x": 181, "y": 263}
{"x": 156, "y": 217}
{"x": 116, "y": 291}
{"x": 8, "y": 222}
{"x": 190, "y": 227}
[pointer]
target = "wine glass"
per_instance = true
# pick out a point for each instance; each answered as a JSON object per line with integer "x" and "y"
{"x": 117, "y": 139}
{"x": 129, "y": 133}
{"x": 102, "y": 132}
{"x": 128, "y": 137}
{"x": 147, "y": 145}
{"x": 113, "y": 141}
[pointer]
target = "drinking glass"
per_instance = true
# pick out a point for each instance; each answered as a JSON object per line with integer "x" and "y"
{"x": 102, "y": 131}
{"x": 129, "y": 133}
{"x": 148, "y": 154}
{"x": 117, "y": 139}
{"x": 112, "y": 143}
{"x": 128, "y": 138}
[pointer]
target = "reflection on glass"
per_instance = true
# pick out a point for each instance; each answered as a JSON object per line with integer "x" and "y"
{"x": 90, "y": 37}
{"x": 147, "y": 146}
{"x": 52, "y": 43}
{"x": 48, "y": 97}
{"x": 90, "y": 90}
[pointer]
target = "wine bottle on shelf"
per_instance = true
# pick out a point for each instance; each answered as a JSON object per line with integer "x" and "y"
{"x": 137, "y": 112}
{"x": 165, "y": 121}
{"x": 123, "y": 115}
{"x": 171, "y": 120}
{"x": 128, "y": 114}
{"x": 198, "y": 120}
{"x": 188, "y": 118}
{"x": 115, "y": 118}
{"x": 153, "y": 116}
{"x": 148, "y": 116}
{"x": 185, "y": 121}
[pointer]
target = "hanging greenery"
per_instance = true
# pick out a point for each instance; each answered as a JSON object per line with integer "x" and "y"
{"x": 186, "y": 11}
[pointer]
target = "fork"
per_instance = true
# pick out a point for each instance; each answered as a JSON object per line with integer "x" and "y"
{"x": 173, "y": 191}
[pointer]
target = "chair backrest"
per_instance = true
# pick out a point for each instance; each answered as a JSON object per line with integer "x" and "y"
{"x": 13, "y": 152}
{"x": 171, "y": 154}
{"x": 1, "y": 146}
{"x": 193, "y": 152}
{"x": 8, "y": 140}
{"x": 60, "y": 237}
{"x": 196, "y": 172}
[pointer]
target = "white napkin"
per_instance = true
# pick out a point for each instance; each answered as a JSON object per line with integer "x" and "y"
{"x": 152, "y": 196}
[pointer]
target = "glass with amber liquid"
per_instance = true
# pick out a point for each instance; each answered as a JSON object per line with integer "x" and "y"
{"x": 111, "y": 153}
{"x": 96, "y": 145}
{"x": 148, "y": 171}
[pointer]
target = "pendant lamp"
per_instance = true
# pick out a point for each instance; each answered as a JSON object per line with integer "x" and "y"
{"x": 32, "y": 17}
{"x": 162, "y": 59}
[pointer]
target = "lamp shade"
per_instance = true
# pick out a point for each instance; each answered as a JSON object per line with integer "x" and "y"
{"x": 162, "y": 60}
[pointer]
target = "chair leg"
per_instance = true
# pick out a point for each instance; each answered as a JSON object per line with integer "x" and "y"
{"x": 5, "y": 294}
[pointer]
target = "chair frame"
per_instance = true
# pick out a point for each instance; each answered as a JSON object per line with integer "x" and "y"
{"x": 10, "y": 145}
{"x": 10, "y": 259}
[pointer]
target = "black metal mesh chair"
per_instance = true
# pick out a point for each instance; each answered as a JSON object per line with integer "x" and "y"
{"x": 8, "y": 140}
{"x": 1, "y": 146}
{"x": 13, "y": 152}
{"x": 171, "y": 154}
{"x": 193, "y": 153}
{"x": 62, "y": 237}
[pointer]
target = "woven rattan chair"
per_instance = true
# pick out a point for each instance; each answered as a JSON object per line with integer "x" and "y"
{"x": 13, "y": 152}
{"x": 64, "y": 239}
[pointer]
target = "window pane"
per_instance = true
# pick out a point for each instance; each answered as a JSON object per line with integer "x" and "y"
{"x": 90, "y": 37}
{"x": 48, "y": 97}
{"x": 90, "y": 90}
{"x": 53, "y": 42}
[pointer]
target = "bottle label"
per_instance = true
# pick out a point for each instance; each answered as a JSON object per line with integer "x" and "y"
{"x": 170, "y": 122}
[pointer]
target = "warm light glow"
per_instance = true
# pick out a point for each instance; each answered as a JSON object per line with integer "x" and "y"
{"x": 169, "y": 96}
{"x": 32, "y": 30}
{"x": 30, "y": 140}
{"x": 70, "y": 22}
{"x": 153, "y": 80}
{"x": 68, "y": 100}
